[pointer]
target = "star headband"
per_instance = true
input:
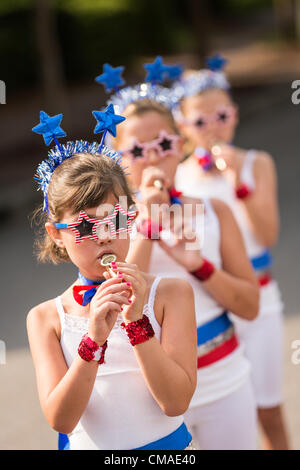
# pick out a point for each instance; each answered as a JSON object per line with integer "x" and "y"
{"x": 157, "y": 72}
{"x": 49, "y": 128}
{"x": 196, "y": 82}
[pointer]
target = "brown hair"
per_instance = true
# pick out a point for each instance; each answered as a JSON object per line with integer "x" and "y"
{"x": 80, "y": 182}
{"x": 145, "y": 105}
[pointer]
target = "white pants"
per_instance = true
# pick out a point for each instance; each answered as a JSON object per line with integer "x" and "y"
{"x": 263, "y": 342}
{"x": 226, "y": 424}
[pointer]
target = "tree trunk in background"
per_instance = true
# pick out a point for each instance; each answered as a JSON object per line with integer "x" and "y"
{"x": 200, "y": 21}
{"x": 284, "y": 18}
{"x": 51, "y": 67}
{"x": 296, "y": 5}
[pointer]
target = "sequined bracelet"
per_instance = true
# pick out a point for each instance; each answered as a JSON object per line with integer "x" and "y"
{"x": 139, "y": 331}
{"x": 149, "y": 229}
{"x": 242, "y": 191}
{"x": 205, "y": 271}
{"x": 90, "y": 351}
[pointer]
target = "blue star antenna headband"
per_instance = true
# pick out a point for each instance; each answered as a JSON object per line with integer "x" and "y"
{"x": 157, "y": 72}
{"x": 49, "y": 128}
{"x": 204, "y": 79}
{"x": 151, "y": 89}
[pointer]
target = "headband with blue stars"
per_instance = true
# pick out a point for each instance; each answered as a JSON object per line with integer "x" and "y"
{"x": 49, "y": 128}
{"x": 156, "y": 73}
{"x": 111, "y": 77}
{"x": 197, "y": 82}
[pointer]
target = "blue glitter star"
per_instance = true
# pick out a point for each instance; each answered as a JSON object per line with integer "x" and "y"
{"x": 111, "y": 77}
{"x": 107, "y": 121}
{"x": 216, "y": 63}
{"x": 155, "y": 71}
{"x": 49, "y": 127}
{"x": 173, "y": 72}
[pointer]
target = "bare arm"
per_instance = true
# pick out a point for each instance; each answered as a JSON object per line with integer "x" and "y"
{"x": 235, "y": 286}
{"x": 141, "y": 248}
{"x": 262, "y": 206}
{"x": 64, "y": 392}
{"x": 140, "y": 252}
{"x": 170, "y": 367}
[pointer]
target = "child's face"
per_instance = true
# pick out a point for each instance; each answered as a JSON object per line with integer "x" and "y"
{"x": 209, "y": 118}
{"x": 152, "y": 137}
{"x": 86, "y": 254}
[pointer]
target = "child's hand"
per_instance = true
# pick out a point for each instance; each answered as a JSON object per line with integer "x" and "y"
{"x": 233, "y": 157}
{"x": 151, "y": 194}
{"x": 183, "y": 247}
{"x": 134, "y": 280}
{"x": 105, "y": 307}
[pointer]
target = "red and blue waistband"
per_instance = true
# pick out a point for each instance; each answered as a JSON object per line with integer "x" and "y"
{"x": 261, "y": 265}
{"x": 216, "y": 339}
{"x": 262, "y": 262}
{"x": 176, "y": 440}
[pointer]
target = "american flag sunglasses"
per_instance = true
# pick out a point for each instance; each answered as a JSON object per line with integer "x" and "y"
{"x": 86, "y": 227}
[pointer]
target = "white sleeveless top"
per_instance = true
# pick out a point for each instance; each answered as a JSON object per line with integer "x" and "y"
{"x": 162, "y": 264}
{"x": 225, "y": 376}
{"x": 221, "y": 186}
{"x": 120, "y": 397}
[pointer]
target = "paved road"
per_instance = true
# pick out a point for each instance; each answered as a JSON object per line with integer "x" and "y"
{"x": 270, "y": 122}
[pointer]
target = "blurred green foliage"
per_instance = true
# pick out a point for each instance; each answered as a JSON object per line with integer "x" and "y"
{"x": 89, "y": 33}
{"x": 92, "y": 32}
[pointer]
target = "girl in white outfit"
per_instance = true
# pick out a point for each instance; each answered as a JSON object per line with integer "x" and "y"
{"x": 222, "y": 413}
{"x": 246, "y": 181}
{"x": 115, "y": 358}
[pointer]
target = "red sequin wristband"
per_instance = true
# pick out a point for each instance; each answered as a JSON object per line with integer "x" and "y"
{"x": 139, "y": 331}
{"x": 87, "y": 349}
{"x": 149, "y": 229}
{"x": 206, "y": 270}
{"x": 242, "y": 191}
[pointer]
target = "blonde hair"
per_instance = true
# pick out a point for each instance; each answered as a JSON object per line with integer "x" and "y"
{"x": 80, "y": 182}
{"x": 146, "y": 105}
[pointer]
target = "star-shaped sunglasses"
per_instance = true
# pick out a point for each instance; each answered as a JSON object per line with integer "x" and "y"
{"x": 222, "y": 115}
{"x": 86, "y": 227}
{"x": 164, "y": 145}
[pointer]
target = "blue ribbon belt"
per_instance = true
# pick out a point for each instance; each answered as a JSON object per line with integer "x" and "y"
{"x": 63, "y": 442}
{"x": 177, "y": 440}
{"x": 263, "y": 261}
{"x": 213, "y": 328}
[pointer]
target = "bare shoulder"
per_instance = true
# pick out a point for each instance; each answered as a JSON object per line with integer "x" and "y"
{"x": 173, "y": 288}
{"x": 264, "y": 162}
{"x": 177, "y": 298}
{"x": 43, "y": 316}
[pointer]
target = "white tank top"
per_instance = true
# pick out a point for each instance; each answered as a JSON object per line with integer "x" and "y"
{"x": 162, "y": 264}
{"x": 120, "y": 397}
{"x": 225, "y": 376}
{"x": 221, "y": 186}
